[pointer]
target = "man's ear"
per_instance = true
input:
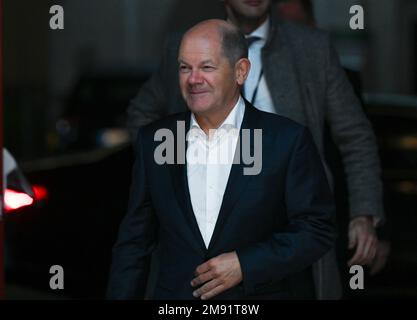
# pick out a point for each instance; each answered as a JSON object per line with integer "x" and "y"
{"x": 242, "y": 68}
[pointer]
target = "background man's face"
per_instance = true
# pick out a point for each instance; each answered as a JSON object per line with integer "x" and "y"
{"x": 294, "y": 11}
{"x": 207, "y": 79}
{"x": 249, "y": 9}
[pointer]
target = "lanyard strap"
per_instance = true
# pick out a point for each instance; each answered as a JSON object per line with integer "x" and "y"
{"x": 255, "y": 92}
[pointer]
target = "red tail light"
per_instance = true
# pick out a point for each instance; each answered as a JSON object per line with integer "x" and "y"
{"x": 14, "y": 200}
{"x": 40, "y": 192}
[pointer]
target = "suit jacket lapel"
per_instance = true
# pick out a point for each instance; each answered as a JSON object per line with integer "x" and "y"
{"x": 180, "y": 187}
{"x": 236, "y": 184}
{"x": 237, "y": 180}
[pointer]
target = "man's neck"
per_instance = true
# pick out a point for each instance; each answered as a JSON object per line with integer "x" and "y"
{"x": 212, "y": 121}
{"x": 247, "y": 26}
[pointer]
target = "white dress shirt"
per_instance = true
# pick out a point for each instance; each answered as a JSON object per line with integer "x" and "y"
{"x": 263, "y": 100}
{"x": 209, "y": 161}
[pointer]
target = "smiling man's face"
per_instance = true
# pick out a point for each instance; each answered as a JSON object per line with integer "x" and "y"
{"x": 207, "y": 80}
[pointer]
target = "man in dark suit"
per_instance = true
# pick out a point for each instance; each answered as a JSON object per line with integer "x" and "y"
{"x": 295, "y": 73}
{"x": 223, "y": 232}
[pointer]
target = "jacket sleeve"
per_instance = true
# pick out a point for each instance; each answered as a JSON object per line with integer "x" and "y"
{"x": 353, "y": 134}
{"x": 137, "y": 238}
{"x": 309, "y": 233}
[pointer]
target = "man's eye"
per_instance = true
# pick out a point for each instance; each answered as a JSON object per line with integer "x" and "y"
{"x": 184, "y": 69}
{"x": 208, "y": 68}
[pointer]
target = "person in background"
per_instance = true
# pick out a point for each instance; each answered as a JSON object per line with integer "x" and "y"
{"x": 302, "y": 12}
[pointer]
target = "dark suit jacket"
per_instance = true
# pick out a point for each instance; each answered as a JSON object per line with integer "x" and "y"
{"x": 279, "y": 222}
{"x": 308, "y": 85}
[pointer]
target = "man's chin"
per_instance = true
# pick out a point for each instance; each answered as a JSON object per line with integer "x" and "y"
{"x": 251, "y": 13}
{"x": 198, "y": 107}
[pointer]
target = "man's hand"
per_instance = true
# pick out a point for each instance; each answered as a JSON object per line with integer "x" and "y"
{"x": 218, "y": 274}
{"x": 382, "y": 252}
{"x": 362, "y": 235}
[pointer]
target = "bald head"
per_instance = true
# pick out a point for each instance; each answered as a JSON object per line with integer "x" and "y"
{"x": 231, "y": 40}
{"x": 213, "y": 65}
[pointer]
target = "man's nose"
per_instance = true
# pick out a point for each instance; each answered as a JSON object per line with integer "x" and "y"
{"x": 195, "y": 77}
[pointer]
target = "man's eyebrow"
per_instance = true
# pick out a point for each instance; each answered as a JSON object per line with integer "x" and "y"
{"x": 209, "y": 61}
